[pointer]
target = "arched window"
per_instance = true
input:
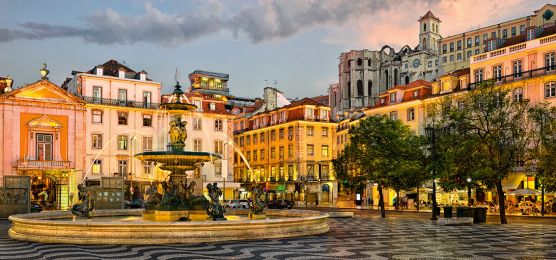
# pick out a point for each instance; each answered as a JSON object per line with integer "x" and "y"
{"x": 369, "y": 62}
{"x": 349, "y": 89}
{"x": 395, "y": 77}
{"x": 424, "y": 27}
{"x": 386, "y": 79}
{"x": 424, "y": 43}
{"x": 359, "y": 62}
{"x": 360, "y": 88}
{"x": 369, "y": 88}
{"x": 406, "y": 80}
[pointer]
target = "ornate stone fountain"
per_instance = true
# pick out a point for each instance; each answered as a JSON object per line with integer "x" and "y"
{"x": 182, "y": 197}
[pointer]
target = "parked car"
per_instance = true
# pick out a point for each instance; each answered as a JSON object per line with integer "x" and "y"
{"x": 280, "y": 204}
{"x": 237, "y": 204}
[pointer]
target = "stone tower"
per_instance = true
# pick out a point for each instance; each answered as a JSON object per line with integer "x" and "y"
{"x": 429, "y": 32}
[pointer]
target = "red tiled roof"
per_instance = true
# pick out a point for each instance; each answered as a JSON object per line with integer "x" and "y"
{"x": 522, "y": 37}
{"x": 429, "y": 14}
{"x": 303, "y": 102}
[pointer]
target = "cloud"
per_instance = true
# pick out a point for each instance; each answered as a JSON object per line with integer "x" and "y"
{"x": 265, "y": 20}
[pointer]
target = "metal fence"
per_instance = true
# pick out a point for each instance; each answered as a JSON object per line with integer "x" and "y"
{"x": 14, "y": 196}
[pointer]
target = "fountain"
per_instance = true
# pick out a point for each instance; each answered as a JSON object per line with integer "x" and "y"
{"x": 180, "y": 214}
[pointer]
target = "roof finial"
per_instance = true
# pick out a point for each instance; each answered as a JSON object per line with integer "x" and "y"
{"x": 44, "y": 71}
{"x": 177, "y": 76}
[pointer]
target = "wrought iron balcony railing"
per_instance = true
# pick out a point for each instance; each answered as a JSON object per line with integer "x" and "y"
{"x": 120, "y": 103}
{"x": 548, "y": 70}
{"x": 36, "y": 164}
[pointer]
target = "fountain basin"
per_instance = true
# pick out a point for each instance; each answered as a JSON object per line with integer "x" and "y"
{"x": 59, "y": 227}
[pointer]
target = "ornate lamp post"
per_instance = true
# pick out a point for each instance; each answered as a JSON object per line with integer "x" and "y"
{"x": 468, "y": 180}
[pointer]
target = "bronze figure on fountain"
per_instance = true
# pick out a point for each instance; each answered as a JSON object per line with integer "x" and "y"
{"x": 87, "y": 205}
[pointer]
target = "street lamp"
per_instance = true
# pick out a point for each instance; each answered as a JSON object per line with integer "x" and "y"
{"x": 468, "y": 191}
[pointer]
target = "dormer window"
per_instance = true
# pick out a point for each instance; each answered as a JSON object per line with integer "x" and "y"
{"x": 392, "y": 97}
{"x": 212, "y": 106}
{"x": 142, "y": 76}
{"x": 99, "y": 71}
{"x": 415, "y": 93}
{"x": 382, "y": 101}
{"x": 531, "y": 33}
{"x": 121, "y": 74}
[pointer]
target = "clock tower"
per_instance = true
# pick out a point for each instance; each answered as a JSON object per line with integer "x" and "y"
{"x": 429, "y": 33}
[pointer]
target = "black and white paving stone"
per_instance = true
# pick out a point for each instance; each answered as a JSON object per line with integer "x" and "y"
{"x": 352, "y": 238}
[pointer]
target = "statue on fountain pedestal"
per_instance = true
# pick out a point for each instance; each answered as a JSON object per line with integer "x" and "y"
{"x": 178, "y": 133}
{"x": 257, "y": 205}
{"x": 87, "y": 205}
{"x": 215, "y": 209}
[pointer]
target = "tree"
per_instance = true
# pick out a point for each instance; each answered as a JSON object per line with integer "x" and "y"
{"x": 382, "y": 151}
{"x": 542, "y": 153}
{"x": 488, "y": 136}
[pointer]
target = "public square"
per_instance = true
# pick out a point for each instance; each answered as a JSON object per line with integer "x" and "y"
{"x": 366, "y": 236}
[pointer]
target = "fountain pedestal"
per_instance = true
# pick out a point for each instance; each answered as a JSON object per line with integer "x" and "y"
{"x": 174, "y": 215}
{"x": 257, "y": 215}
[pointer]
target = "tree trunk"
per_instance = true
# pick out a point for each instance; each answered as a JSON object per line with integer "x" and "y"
{"x": 418, "y": 201}
{"x": 381, "y": 201}
{"x": 501, "y": 202}
{"x": 398, "y": 199}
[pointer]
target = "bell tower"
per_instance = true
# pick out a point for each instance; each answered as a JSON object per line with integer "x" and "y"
{"x": 429, "y": 32}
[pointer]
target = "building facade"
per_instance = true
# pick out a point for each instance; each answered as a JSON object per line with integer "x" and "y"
{"x": 288, "y": 152}
{"x": 42, "y": 135}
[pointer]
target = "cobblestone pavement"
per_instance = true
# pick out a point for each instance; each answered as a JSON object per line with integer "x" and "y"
{"x": 362, "y": 237}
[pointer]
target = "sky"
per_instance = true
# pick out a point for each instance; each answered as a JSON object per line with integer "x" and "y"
{"x": 293, "y": 42}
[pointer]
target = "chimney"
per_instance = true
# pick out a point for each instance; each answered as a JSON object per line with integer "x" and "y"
{"x": 270, "y": 98}
{"x": 99, "y": 70}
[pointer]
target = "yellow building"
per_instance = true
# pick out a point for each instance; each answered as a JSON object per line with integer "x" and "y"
{"x": 288, "y": 151}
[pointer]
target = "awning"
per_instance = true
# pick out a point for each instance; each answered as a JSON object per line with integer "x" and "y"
{"x": 524, "y": 192}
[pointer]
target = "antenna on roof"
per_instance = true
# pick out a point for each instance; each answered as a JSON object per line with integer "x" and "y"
{"x": 123, "y": 62}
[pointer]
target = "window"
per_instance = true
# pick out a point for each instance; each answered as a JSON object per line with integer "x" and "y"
{"x": 324, "y": 114}
{"x": 310, "y": 171}
{"x": 122, "y": 142}
{"x": 281, "y": 153}
{"x": 444, "y": 48}
{"x": 505, "y": 33}
{"x": 451, "y": 47}
{"x": 451, "y": 58}
{"x": 324, "y": 172}
{"x": 197, "y": 145}
{"x": 97, "y": 167}
{"x": 394, "y": 115}
{"x": 410, "y": 114}
{"x": 248, "y": 155}
{"x": 517, "y": 69}
{"x": 198, "y": 104}
{"x": 262, "y": 154}
{"x": 514, "y": 31}
{"x": 122, "y": 167}
{"x": 444, "y": 59}
{"x": 424, "y": 27}
{"x": 382, "y": 100}
{"x": 477, "y": 51}
{"x": 469, "y": 43}
{"x": 272, "y": 152}
{"x": 122, "y": 118}
{"x": 497, "y": 72}
{"x": 459, "y": 45}
{"x": 325, "y": 150}
{"x": 147, "y": 120}
{"x": 262, "y": 137}
{"x": 325, "y": 131}
{"x": 522, "y": 29}
{"x": 147, "y": 98}
{"x": 97, "y": 116}
{"x": 550, "y": 89}
{"x": 415, "y": 93}
{"x": 147, "y": 143}
{"x": 459, "y": 56}
{"x": 97, "y": 141}
{"x": 469, "y": 53}
{"x": 281, "y": 133}
{"x": 255, "y": 138}
{"x": 493, "y": 35}
{"x": 218, "y": 125}
{"x": 147, "y": 168}
{"x": 477, "y": 41}
{"x": 478, "y": 75}
{"x": 197, "y": 123}
{"x": 97, "y": 94}
{"x": 122, "y": 94}
{"x": 44, "y": 147}
{"x": 549, "y": 61}
{"x": 309, "y": 112}
{"x": 255, "y": 155}
{"x": 430, "y": 64}
{"x": 218, "y": 169}
{"x": 310, "y": 131}
{"x": 290, "y": 151}
{"x": 485, "y": 37}
{"x": 290, "y": 133}
{"x": 272, "y": 135}
{"x": 392, "y": 97}
{"x": 248, "y": 140}
{"x": 518, "y": 94}
{"x": 212, "y": 106}
{"x": 310, "y": 150}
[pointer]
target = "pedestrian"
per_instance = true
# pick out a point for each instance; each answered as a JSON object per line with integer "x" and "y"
{"x": 372, "y": 203}
{"x": 369, "y": 201}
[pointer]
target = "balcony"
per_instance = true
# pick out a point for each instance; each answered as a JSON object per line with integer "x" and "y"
{"x": 120, "y": 103}
{"x": 43, "y": 165}
{"x": 324, "y": 177}
{"x": 549, "y": 70}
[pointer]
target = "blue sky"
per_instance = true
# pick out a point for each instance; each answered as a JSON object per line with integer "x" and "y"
{"x": 294, "y": 42}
